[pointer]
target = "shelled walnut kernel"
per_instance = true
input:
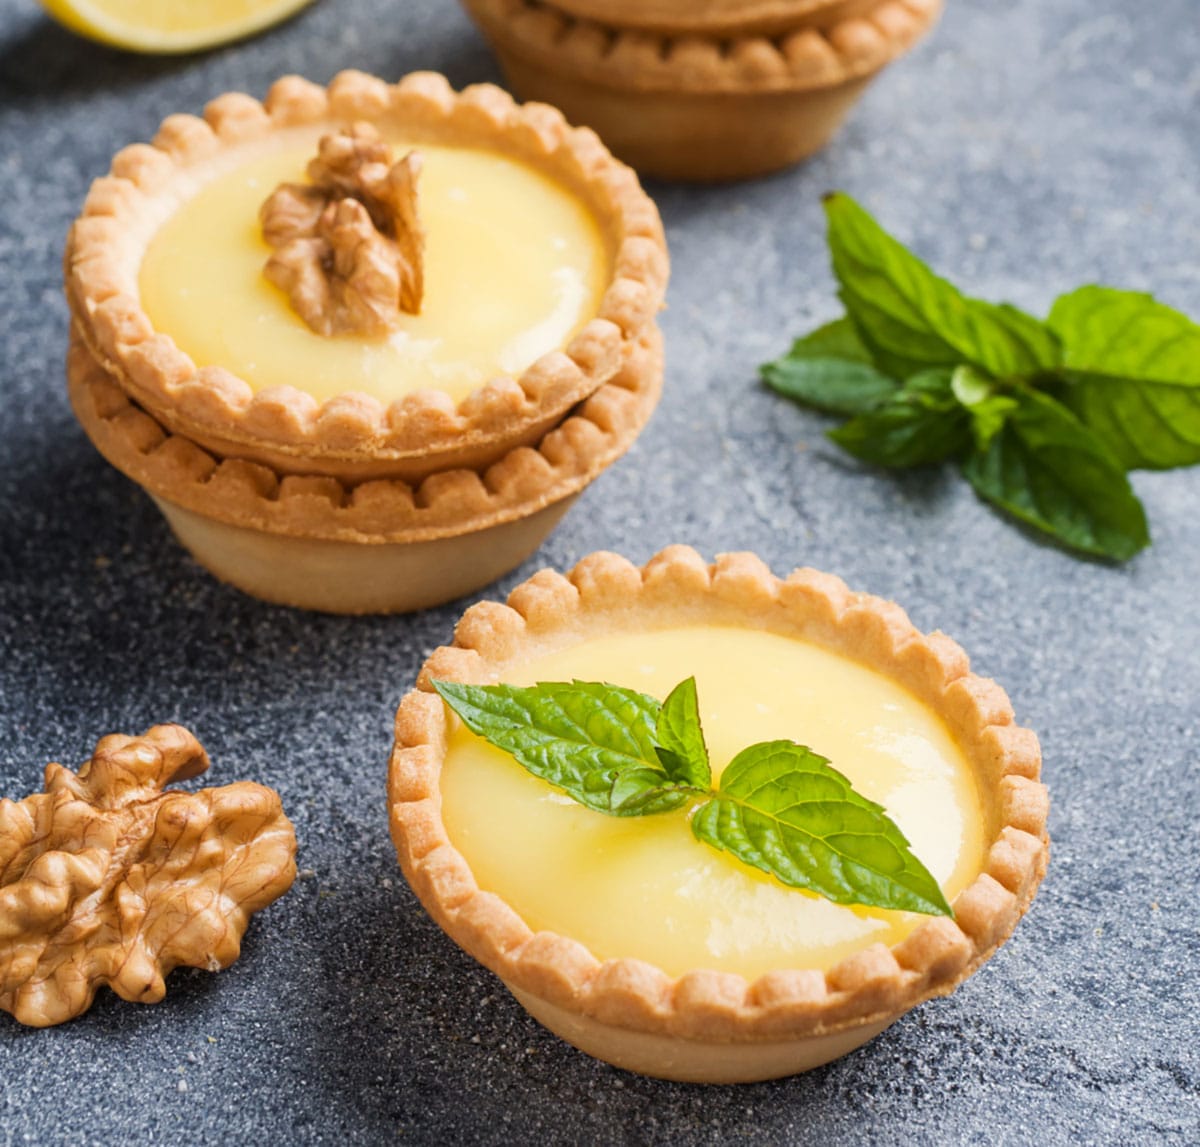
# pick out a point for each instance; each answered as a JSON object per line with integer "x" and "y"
{"x": 105, "y": 878}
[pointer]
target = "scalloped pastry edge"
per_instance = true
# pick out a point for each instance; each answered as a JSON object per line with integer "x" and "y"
{"x": 724, "y": 18}
{"x": 605, "y": 592}
{"x": 445, "y": 504}
{"x": 807, "y": 57}
{"x": 106, "y": 243}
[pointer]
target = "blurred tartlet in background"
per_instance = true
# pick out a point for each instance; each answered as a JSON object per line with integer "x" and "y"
{"x": 707, "y": 91}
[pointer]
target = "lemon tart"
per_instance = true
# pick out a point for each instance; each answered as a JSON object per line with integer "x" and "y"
{"x": 365, "y": 281}
{"x": 625, "y": 936}
{"x": 679, "y": 100}
{"x": 383, "y": 546}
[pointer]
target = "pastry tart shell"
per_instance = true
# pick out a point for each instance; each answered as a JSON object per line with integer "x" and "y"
{"x": 695, "y": 107}
{"x": 354, "y": 437}
{"x": 383, "y": 546}
{"x": 713, "y": 17}
{"x": 708, "y": 1026}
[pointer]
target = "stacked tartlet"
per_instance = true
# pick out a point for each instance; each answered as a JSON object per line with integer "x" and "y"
{"x": 246, "y": 346}
{"x": 702, "y": 89}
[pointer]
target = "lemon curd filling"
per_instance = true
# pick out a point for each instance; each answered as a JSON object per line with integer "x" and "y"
{"x": 514, "y": 266}
{"x": 645, "y": 887}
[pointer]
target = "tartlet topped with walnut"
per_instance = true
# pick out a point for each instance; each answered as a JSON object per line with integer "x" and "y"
{"x": 369, "y": 284}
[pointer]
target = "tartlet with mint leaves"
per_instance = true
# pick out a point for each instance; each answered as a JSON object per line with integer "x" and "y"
{"x": 712, "y": 825}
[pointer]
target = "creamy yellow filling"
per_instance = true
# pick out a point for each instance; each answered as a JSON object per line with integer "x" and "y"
{"x": 645, "y": 887}
{"x": 514, "y": 266}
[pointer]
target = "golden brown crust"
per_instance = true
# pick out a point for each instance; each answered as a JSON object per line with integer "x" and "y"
{"x": 386, "y": 510}
{"x": 604, "y": 593}
{"x": 806, "y": 56}
{"x": 712, "y": 17}
{"x": 108, "y": 878}
{"x": 352, "y": 435}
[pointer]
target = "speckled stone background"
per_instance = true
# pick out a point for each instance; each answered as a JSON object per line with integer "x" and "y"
{"x": 1026, "y": 148}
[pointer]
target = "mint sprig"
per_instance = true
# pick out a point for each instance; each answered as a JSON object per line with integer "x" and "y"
{"x": 778, "y": 806}
{"x": 1045, "y": 419}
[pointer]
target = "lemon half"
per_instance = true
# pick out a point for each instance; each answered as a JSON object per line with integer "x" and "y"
{"x": 170, "y": 25}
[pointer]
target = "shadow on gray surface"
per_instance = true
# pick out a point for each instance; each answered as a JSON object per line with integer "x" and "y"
{"x": 47, "y": 60}
{"x": 449, "y": 1047}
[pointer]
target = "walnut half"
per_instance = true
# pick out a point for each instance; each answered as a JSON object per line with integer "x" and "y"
{"x": 349, "y": 247}
{"x": 107, "y": 879}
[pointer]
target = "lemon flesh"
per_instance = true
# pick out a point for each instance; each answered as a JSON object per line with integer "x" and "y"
{"x": 169, "y": 25}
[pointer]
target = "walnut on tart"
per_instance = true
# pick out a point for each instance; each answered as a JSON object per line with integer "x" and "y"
{"x": 348, "y": 247}
{"x": 492, "y": 174}
{"x": 703, "y": 1022}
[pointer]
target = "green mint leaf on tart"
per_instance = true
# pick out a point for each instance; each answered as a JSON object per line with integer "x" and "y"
{"x": 778, "y": 807}
{"x": 1131, "y": 373}
{"x": 830, "y": 370}
{"x": 912, "y": 319}
{"x": 596, "y": 742}
{"x": 1050, "y": 471}
{"x": 785, "y": 810}
{"x": 921, "y": 423}
{"x": 681, "y": 747}
{"x": 643, "y": 792}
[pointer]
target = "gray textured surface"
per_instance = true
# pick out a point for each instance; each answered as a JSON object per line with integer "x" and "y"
{"x": 1027, "y": 148}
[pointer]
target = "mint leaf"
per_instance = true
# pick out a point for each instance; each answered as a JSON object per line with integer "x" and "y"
{"x": 784, "y": 810}
{"x": 681, "y": 747}
{"x": 1132, "y": 374}
{"x": 596, "y": 742}
{"x": 989, "y": 409}
{"x": 830, "y": 370}
{"x": 835, "y": 386}
{"x": 642, "y": 792}
{"x": 1050, "y": 471}
{"x": 838, "y": 339}
{"x": 1126, "y": 334}
{"x": 912, "y": 319}
{"x": 922, "y": 423}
